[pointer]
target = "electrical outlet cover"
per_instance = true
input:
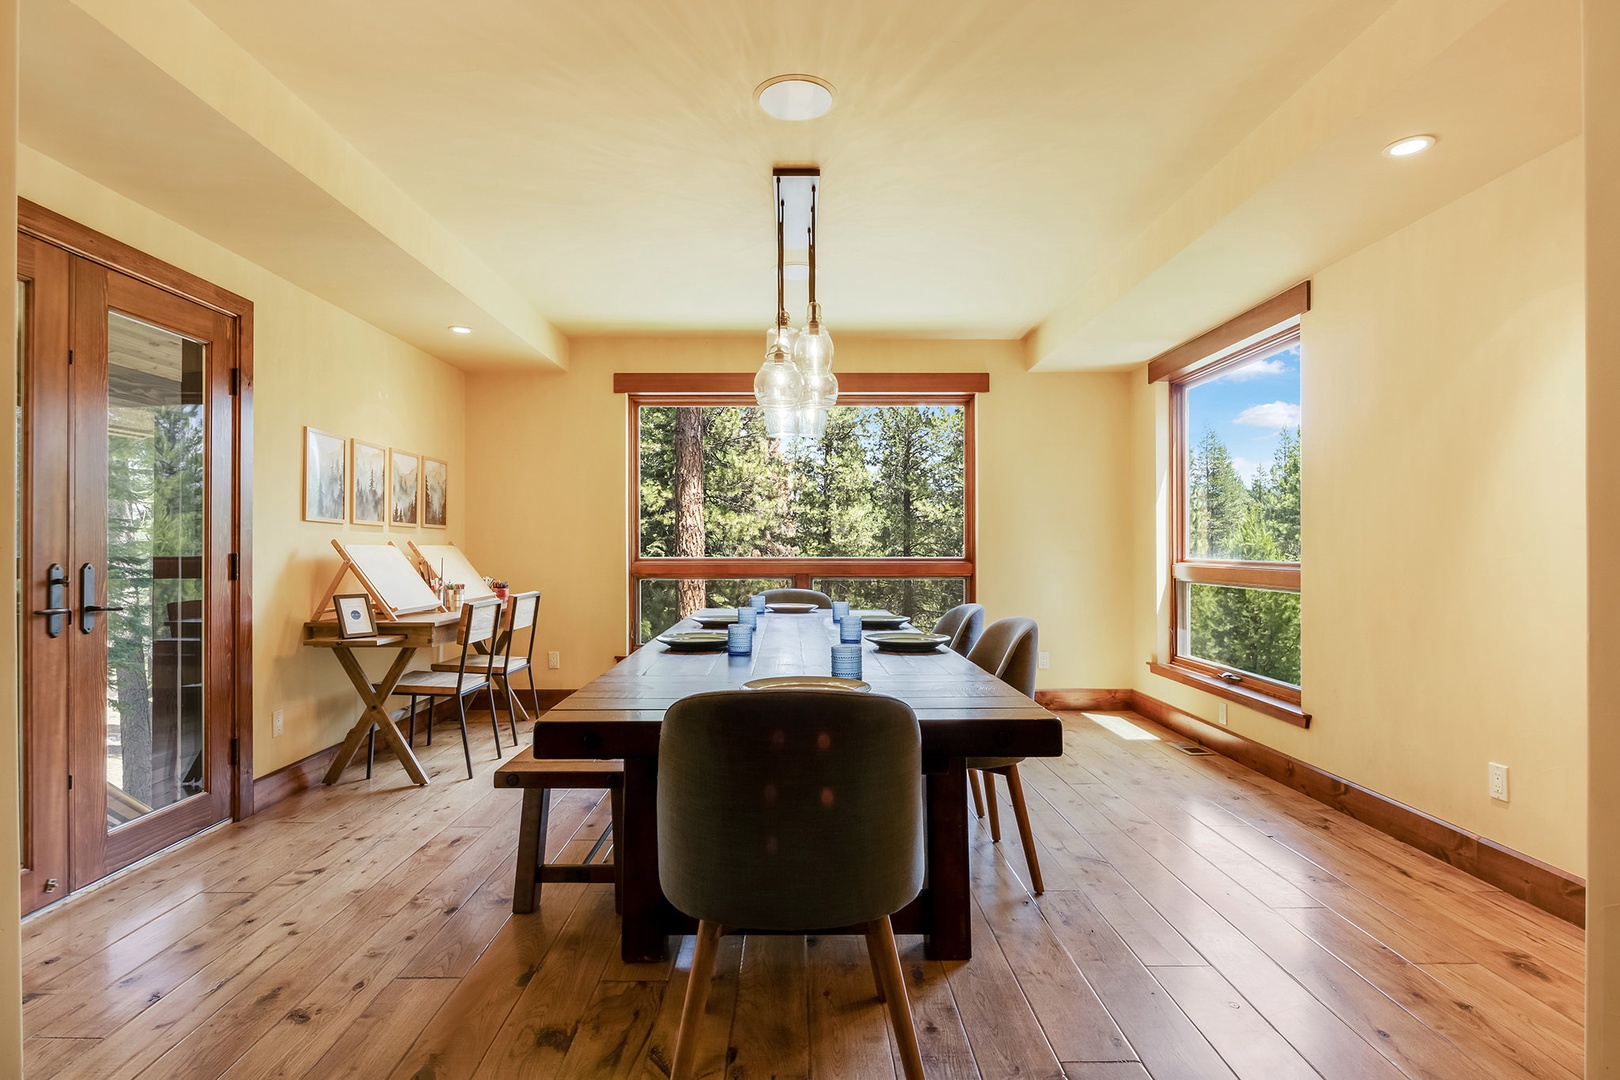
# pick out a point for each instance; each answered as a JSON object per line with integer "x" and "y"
{"x": 1499, "y": 782}
{"x": 1045, "y": 660}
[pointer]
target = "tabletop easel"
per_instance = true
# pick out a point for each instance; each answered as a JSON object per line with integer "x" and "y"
{"x": 386, "y": 575}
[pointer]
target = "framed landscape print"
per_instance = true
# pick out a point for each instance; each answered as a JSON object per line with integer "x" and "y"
{"x": 325, "y": 476}
{"x": 369, "y": 467}
{"x": 407, "y": 470}
{"x": 435, "y": 494}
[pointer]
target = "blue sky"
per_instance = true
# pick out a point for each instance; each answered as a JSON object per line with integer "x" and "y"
{"x": 1248, "y": 407}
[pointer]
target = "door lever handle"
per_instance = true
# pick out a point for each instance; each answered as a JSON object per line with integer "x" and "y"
{"x": 56, "y": 583}
{"x": 55, "y": 611}
{"x": 93, "y": 608}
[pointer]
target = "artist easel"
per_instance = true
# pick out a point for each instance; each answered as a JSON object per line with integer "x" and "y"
{"x": 386, "y": 575}
{"x": 447, "y": 561}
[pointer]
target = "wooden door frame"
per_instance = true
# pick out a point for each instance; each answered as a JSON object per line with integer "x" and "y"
{"x": 52, "y": 228}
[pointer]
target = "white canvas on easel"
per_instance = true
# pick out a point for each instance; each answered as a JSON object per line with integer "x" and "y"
{"x": 386, "y": 575}
{"x": 448, "y": 561}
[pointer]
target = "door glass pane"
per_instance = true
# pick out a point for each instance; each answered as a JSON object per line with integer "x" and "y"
{"x": 155, "y": 457}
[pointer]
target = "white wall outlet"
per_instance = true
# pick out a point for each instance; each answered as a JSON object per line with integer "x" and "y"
{"x": 278, "y": 724}
{"x": 1046, "y": 660}
{"x": 1223, "y": 714}
{"x": 553, "y": 660}
{"x": 1499, "y": 788}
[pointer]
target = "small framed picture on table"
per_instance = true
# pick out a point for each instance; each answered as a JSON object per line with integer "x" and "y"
{"x": 354, "y": 616}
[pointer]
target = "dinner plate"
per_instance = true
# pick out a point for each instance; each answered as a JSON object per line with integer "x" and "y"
{"x": 715, "y": 618}
{"x": 913, "y": 641}
{"x": 694, "y": 640}
{"x": 808, "y": 682}
{"x": 791, "y": 609}
{"x": 876, "y": 619}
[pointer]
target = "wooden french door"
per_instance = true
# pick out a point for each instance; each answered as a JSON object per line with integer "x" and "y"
{"x": 126, "y": 489}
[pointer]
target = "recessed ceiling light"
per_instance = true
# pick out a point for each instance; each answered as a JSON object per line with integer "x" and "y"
{"x": 795, "y": 97}
{"x": 1412, "y": 144}
{"x": 461, "y": 329}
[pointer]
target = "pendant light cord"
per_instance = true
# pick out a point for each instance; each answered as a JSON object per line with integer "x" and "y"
{"x": 812, "y": 243}
{"x": 781, "y": 303}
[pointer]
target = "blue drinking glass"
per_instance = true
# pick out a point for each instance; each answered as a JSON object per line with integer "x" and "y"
{"x": 849, "y": 631}
{"x": 739, "y": 639}
{"x": 758, "y": 602}
{"x": 746, "y": 616}
{"x": 840, "y": 609}
{"x": 846, "y": 661}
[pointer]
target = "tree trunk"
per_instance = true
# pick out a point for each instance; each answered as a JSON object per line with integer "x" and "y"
{"x": 689, "y": 538}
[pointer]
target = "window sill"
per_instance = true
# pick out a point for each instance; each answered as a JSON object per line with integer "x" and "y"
{"x": 1285, "y": 711}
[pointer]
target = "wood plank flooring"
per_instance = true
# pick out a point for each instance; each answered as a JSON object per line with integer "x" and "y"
{"x": 1200, "y": 922}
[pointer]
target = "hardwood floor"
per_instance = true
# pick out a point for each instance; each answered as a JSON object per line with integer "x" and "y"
{"x": 1199, "y": 922}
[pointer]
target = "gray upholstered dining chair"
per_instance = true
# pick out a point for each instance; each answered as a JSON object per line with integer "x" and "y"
{"x": 1008, "y": 651}
{"x": 798, "y": 596}
{"x": 791, "y": 811}
{"x": 964, "y": 623}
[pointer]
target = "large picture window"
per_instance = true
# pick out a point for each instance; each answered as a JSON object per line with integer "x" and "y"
{"x": 1235, "y": 569}
{"x": 878, "y": 511}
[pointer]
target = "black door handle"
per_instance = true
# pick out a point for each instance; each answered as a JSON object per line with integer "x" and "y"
{"x": 56, "y": 583}
{"x": 87, "y": 592}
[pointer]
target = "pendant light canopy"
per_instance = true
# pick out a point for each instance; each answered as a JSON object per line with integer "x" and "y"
{"x": 796, "y": 385}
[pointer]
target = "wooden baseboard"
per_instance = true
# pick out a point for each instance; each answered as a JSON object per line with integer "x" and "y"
{"x": 1078, "y": 700}
{"x": 1528, "y": 878}
{"x": 288, "y": 780}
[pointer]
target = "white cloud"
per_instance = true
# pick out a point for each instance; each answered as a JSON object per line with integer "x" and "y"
{"x": 1246, "y": 468}
{"x": 1273, "y": 416}
{"x": 1273, "y": 366}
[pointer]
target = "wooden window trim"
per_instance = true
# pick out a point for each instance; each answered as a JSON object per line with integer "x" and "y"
{"x": 1188, "y": 358}
{"x": 856, "y": 388}
{"x": 1186, "y": 369}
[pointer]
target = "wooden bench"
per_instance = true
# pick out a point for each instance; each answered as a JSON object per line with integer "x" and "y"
{"x": 536, "y": 777}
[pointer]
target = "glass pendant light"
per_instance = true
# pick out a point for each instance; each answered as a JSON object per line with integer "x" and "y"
{"x": 813, "y": 348}
{"x": 778, "y": 387}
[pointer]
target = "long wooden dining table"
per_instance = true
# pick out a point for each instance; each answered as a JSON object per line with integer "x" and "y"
{"x": 963, "y": 712}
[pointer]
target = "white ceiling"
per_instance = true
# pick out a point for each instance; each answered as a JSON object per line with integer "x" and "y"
{"x": 985, "y": 164}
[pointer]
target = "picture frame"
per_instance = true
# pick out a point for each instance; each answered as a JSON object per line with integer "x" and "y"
{"x": 404, "y": 504}
{"x": 354, "y": 615}
{"x": 435, "y": 494}
{"x": 368, "y": 472}
{"x": 326, "y": 481}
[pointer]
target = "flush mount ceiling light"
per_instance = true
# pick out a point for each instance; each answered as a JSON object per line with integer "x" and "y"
{"x": 1412, "y": 144}
{"x": 795, "y": 97}
{"x": 461, "y": 329}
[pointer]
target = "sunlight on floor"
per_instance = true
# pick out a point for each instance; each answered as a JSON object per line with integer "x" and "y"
{"x": 1122, "y": 727}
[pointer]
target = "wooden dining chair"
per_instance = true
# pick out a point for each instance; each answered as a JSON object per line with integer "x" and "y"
{"x": 499, "y": 663}
{"x": 479, "y": 619}
{"x": 964, "y": 623}
{"x": 798, "y": 596}
{"x": 791, "y": 811}
{"x": 1007, "y": 650}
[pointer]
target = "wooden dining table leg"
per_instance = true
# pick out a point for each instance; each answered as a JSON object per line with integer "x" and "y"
{"x": 636, "y": 845}
{"x": 375, "y": 715}
{"x": 949, "y": 935}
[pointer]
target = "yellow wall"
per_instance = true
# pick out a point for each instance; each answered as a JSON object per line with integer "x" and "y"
{"x": 548, "y": 505}
{"x": 11, "y": 1055}
{"x": 313, "y": 364}
{"x": 1443, "y": 531}
{"x": 1602, "y": 73}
